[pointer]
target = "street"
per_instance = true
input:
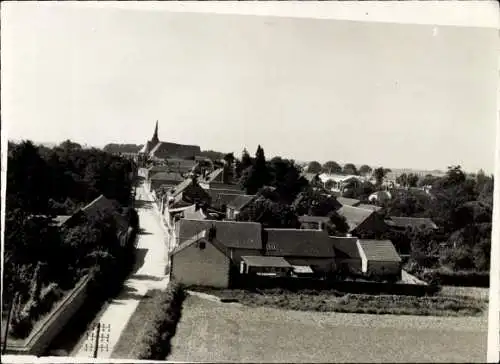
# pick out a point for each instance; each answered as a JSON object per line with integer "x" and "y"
{"x": 148, "y": 273}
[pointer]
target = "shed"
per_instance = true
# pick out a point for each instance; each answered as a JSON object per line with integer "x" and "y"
{"x": 379, "y": 257}
{"x": 262, "y": 265}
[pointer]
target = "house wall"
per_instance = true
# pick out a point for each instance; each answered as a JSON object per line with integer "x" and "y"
{"x": 203, "y": 267}
{"x": 384, "y": 268}
{"x": 352, "y": 265}
{"x": 374, "y": 224}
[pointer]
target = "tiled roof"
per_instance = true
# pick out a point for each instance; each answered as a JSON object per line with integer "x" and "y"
{"x": 201, "y": 236}
{"x": 354, "y": 215}
{"x": 345, "y": 247}
{"x": 298, "y": 242}
{"x": 214, "y": 175}
{"x": 245, "y": 235}
{"x": 181, "y": 187}
{"x": 369, "y": 207}
{"x": 379, "y": 250}
{"x": 240, "y": 202}
{"x": 348, "y": 201}
{"x": 307, "y": 218}
{"x": 167, "y": 176}
{"x": 165, "y": 149}
{"x": 410, "y": 222}
{"x": 263, "y": 261}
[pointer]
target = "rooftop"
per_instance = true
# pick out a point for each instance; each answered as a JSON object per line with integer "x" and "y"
{"x": 354, "y": 215}
{"x": 262, "y": 261}
{"x": 298, "y": 242}
{"x": 379, "y": 250}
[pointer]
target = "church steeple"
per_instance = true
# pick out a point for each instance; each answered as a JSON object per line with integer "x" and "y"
{"x": 155, "y": 139}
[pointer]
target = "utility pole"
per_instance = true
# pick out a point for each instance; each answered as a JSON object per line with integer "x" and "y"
{"x": 96, "y": 348}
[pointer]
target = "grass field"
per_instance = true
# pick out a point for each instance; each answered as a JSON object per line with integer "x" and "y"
{"x": 136, "y": 327}
{"x": 448, "y": 303}
{"x": 214, "y": 331}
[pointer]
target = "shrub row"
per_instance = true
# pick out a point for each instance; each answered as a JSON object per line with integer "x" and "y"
{"x": 155, "y": 343}
{"x": 457, "y": 278}
{"x": 22, "y": 322}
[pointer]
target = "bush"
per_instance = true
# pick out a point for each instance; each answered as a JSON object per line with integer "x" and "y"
{"x": 155, "y": 343}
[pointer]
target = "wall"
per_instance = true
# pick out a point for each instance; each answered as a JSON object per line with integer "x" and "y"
{"x": 44, "y": 332}
{"x": 201, "y": 267}
{"x": 352, "y": 265}
{"x": 384, "y": 268}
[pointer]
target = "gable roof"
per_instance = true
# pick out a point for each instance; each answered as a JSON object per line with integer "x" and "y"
{"x": 348, "y": 201}
{"x": 354, "y": 216}
{"x": 165, "y": 149}
{"x": 263, "y": 261}
{"x": 181, "y": 187}
{"x": 379, "y": 250}
{"x": 317, "y": 219}
{"x": 410, "y": 222}
{"x": 345, "y": 247}
{"x": 102, "y": 203}
{"x": 298, "y": 242}
{"x": 167, "y": 176}
{"x": 369, "y": 207}
{"x": 233, "y": 234}
{"x": 241, "y": 201}
{"x": 214, "y": 175}
{"x": 201, "y": 236}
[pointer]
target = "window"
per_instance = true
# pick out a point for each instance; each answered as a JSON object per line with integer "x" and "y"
{"x": 202, "y": 245}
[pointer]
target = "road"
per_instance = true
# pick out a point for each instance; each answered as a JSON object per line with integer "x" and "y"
{"x": 149, "y": 273}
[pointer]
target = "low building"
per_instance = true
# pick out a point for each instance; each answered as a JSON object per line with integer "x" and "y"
{"x": 347, "y": 255}
{"x": 165, "y": 179}
{"x": 201, "y": 261}
{"x": 301, "y": 248}
{"x": 362, "y": 220}
{"x": 313, "y": 222}
{"x": 379, "y": 257}
{"x": 186, "y": 193}
{"x": 238, "y": 204}
{"x": 265, "y": 266}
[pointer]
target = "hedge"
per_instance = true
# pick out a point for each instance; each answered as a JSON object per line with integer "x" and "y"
{"x": 155, "y": 343}
{"x": 457, "y": 278}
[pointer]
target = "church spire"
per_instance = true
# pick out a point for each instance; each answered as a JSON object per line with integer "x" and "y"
{"x": 155, "y": 135}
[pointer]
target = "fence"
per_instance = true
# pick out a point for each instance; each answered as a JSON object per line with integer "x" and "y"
{"x": 360, "y": 287}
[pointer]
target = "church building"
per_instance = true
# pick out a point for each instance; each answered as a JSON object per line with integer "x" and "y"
{"x": 157, "y": 149}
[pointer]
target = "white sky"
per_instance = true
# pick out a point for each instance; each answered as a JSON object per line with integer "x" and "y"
{"x": 398, "y": 95}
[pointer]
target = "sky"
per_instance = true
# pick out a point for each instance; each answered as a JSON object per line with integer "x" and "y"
{"x": 396, "y": 95}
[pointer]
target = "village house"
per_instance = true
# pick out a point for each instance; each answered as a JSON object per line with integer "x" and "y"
{"x": 309, "y": 250}
{"x": 216, "y": 180}
{"x": 340, "y": 183}
{"x": 167, "y": 179}
{"x": 238, "y": 204}
{"x": 367, "y": 257}
{"x": 360, "y": 220}
{"x": 221, "y": 197}
{"x": 313, "y": 222}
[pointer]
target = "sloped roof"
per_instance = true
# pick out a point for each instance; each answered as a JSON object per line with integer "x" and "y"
{"x": 201, "y": 236}
{"x": 348, "y": 201}
{"x": 102, "y": 203}
{"x": 369, "y": 207}
{"x": 379, "y": 250}
{"x": 167, "y": 176}
{"x": 263, "y": 261}
{"x": 164, "y": 149}
{"x": 410, "y": 222}
{"x": 181, "y": 187}
{"x": 233, "y": 234}
{"x": 214, "y": 175}
{"x": 345, "y": 247}
{"x": 299, "y": 243}
{"x": 61, "y": 219}
{"x": 307, "y": 218}
{"x": 240, "y": 201}
{"x": 354, "y": 215}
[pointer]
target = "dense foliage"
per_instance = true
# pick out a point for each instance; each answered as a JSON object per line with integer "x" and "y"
{"x": 41, "y": 184}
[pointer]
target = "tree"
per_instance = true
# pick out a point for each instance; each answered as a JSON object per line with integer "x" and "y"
{"x": 337, "y": 226}
{"x": 270, "y": 214}
{"x": 379, "y": 174}
{"x": 257, "y": 175}
{"x": 228, "y": 173}
{"x": 315, "y": 203}
{"x": 350, "y": 168}
{"x": 332, "y": 167}
{"x": 365, "y": 170}
{"x": 412, "y": 180}
{"x": 314, "y": 167}
{"x": 286, "y": 177}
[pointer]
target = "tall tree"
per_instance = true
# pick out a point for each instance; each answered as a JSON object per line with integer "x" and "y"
{"x": 350, "y": 168}
{"x": 332, "y": 167}
{"x": 314, "y": 167}
{"x": 228, "y": 173}
{"x": 379, "y": 174}
{"x": 257, "y": 175}
{"x": 365, "y": 170}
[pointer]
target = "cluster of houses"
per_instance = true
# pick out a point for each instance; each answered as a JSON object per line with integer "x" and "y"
{"x": 200, "y": 208}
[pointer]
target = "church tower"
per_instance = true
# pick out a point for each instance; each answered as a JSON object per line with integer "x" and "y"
{"x": 155, "y": 139}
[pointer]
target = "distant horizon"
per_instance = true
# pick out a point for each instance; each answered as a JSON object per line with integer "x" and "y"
{"x": 357, "y": 92}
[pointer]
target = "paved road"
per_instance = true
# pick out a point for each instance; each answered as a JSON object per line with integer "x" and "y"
{"x": 149, "y": 273}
